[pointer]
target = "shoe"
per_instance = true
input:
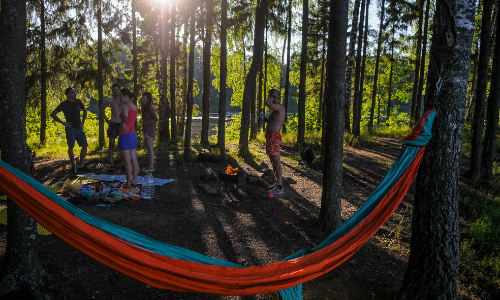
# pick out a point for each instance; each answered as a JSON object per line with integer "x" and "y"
{"x": 277, "y": 191}
{"x": 111, "y": 169}
{"x": 148, "y": 169}
{"x": 84, "y": 168}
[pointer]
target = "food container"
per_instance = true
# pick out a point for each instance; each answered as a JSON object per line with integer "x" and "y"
{"x": 93, "y": 198}
{"x": 117, "y": 195}
{"x": 102, "y": 195}
{"x": 85, "y": 193}
{"x": 99, "y": 186}
{"x": 117, "y": 184}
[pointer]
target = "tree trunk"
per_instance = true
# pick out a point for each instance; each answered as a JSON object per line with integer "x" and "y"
{"x": 363, "y": 69}
{"x": 43, "y": 78}
{"x": 163, "y": 124}
{"x": 20, "y": 269}
{"x": 377, "y": 64}
{"x": 330, "y": 214}
{"x": 357, "y": 74}
{"x": 301, "y": 126}
{"x": 184, "y": 75}
{"x": 490, "y": 134}
{"x": 482, "y": 82}
{"x": 207, "y": 45}
{"x": 265, "y": 70}
{"x": 319, "y": 120}
{"x": 389, "y": 98}
{"x": 422, "y": 62}
{"x": 100, "y": 62}
{"x": 187, "y": 136}
{"x": 172, "y": 73}
{"x": 475, "y": 58}
{"x": 413, "y": 115}
{"x": 223, "y": 79}
{"x": 134, "y": 52}
{"x": 287, "y": 76}
{"x": 434, "y": 252}
{"x": 250, "y": 81}
{"x": 350, "y": 65}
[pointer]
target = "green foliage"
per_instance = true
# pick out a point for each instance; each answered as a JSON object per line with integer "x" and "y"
{"x": 196, "y": 110}
{"x": 480, "y": 245}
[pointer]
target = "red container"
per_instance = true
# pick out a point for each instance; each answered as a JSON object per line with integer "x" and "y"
{"x": 99, "y": 186}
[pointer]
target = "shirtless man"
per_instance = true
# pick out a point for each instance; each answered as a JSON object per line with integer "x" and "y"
{"x": 114, "y": 123}
{"x": 273, "y": 135}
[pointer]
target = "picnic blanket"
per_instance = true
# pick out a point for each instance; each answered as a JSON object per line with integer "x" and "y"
{"x": 123, "y": 178}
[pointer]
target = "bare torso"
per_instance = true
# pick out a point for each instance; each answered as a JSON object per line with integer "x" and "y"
{"x": 276, "y": 119}
{"x": 114, "y": 103}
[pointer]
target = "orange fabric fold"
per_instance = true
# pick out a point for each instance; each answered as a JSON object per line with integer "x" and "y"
{"x": 184, "y": 276}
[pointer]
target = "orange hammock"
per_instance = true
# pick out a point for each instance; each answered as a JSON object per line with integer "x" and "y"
{"x": 144, "y": 262}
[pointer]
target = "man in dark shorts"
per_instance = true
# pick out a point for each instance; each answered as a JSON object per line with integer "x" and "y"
{"x": 273, "y": 136}
{"x": 113, "y": 123}
{"x": 71, "y": 108}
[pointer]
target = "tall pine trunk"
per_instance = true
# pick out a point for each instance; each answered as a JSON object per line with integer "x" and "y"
{"x": 413, "y": 115}
{"x": 482, "y": 82}
{"x": 391, "y": 71}
{"x": 350, "y": 65}
{"x": 134, "y": 51}
{"x": 163, "y": 124}
{"x": 363, "y": 69}
{"x": 20, "y": 269}
{"x": 330, "y": 213}
{"x": 207, "y": 45}
{"x": 172, "y": 73}
{"x": 100, "y": 62}
{"x": 357, "y": 74}
{"x": 287, "y": 76}
{"x": 223, "y": 78}
{"x": 189, "y": 120}
{"x": 301, "y": 122}
{"x": 490, "y": 134}
{"x": 251, "y": 79}
{"x": 43, "y": 78}
{"x": 422, "y": 61}
{"x": 434, "y": 252}
{"x": 182, "y": 122}
{"x": 377, "y": 64}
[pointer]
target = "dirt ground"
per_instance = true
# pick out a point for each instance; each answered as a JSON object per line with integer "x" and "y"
{"x": 248, "y": 228}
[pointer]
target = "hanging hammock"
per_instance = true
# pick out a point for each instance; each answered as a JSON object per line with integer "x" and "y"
{"x": 165, "y": 266}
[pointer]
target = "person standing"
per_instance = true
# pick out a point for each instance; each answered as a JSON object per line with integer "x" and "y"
{"x": 71, "y": 108}
{"x": 113, "y": 123}
{"x": 127, "y": 139}
{"x": 149, "y": 119}
{"x": 273, "y": 136}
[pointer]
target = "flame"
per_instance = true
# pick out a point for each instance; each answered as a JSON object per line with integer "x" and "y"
{"x": 230, "y": 170}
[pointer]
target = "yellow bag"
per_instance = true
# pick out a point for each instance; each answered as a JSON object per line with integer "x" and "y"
{"x": 70, "y": 190}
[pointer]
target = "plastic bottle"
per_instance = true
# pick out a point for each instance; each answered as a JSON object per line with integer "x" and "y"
{"x": 75, "y": 166}
{"x": 64, "y": 166}
{"x": 148, "y": 186}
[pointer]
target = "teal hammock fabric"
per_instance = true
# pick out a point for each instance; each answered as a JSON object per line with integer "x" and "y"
{"x": 395, "y": 173}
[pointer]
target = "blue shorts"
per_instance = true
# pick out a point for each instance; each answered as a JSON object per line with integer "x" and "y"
{"x": 75, "y": 134}
{"x": 127, "y": 141}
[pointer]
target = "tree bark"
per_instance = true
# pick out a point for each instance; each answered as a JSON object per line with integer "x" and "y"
{"x": 163, "y": 124}
{"x": 330, "y": 213}
{"x": 363, "y": 69}
{"x": 301, "y": 126}
{"x": 43, "y": 78}
{"x": 389, "y": 98}
{"x": 184, "y": 75}
{"x": 482, "y": 82}
{"x": 207, "y": 45}
{"x": 134, "y": 51}
{"x": 350, "y": 65}
{"x": 187, "y": 136}
{"x": 413, "y": 115}
{"x": 357, "y": 74}
{"x": 173, "y": 55}
{"x": 422, "y": 61}
{"x": 490, "y": 134}
{"x": 434, "y": 252}
{"x": 251, "y": 79}
{"x": 287, "y": 76}
{"x": 100, "y": 62}
{"x": 377, "y": 64}
{"x": 20, "y": 270}
{"x": 223, "y": 79}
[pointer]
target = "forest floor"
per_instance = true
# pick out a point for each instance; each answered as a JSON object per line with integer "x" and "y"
{"x": 248, "y": 228}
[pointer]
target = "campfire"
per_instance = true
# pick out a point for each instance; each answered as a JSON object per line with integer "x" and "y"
{"x": 230, "y": 170}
